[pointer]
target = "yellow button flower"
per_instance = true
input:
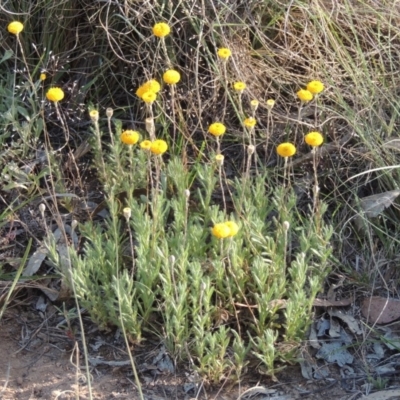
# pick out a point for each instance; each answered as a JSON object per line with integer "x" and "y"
{"x": 159, "y": 147}
{"x": 233, "y": 227}
{"x": 221, "y": 231}
{"x": 250, "y": 122}
{"x": 55, "y": 94}
{"x": 314, "y": 139}
{"x": 171, "y": 77}
{"x": 217, "y": 129}
{"x": 224, "y": 53}
{"x": 315, "y": 87}
{"x": 254, "y": 104}
{"x": 239, "y": 86}
{"x": 161, "y": 29}
{"x": 129, "y": 137}
{"x": 145, "y": 145}
{"x": 286, "y": 150}
{"x": 219, "y": 158}
{"x": 149, "y": 97}
{"x": 304, "y": 95}
{"x": 94, "y": 115}
{"x": 42, "y": 76}
{"x": 15, "y": 27}
{"x": 270, "y": 104}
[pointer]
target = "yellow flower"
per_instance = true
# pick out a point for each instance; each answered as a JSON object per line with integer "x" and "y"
{"x": 94, "y": 115}
{"x": 314, "y": 139}
{"x": 233, "y": 227}
{"x": 149, "y": 97}
{"x": 221, "y": 230}
{"x": 161, "y": 29}
{"x": 239, "y": 86}
{"x": 315, "y": 87}
{"x": 42, "y": 76}
{"x": 149, "y": 86}
{"x": 219, "y": 158}
{"x": 254, "y": 104}
{"x": 304, "y": 95}
{"x": 145, "y": 145}
{"x": 217, "y": 129}
{"x": 224, "y": 53}
{"x": 171, "y": 77}
{"x": 15, "y": 27}
{"x": 270, "y": 104}
{"x": 129, "y": 137}
{"x": 286, "y": 150}
{"x": 55, "y": 94}
{"x": 159, "y": 146}
{"x": 250, "y": 122}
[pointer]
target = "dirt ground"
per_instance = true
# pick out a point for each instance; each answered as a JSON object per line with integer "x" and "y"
{"x": 39, "y": 360}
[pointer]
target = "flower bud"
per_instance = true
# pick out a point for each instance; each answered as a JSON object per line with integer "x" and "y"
{"x": 127, "y": 213}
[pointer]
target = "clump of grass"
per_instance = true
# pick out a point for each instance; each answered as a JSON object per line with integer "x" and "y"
{"x": 216, "y": 240}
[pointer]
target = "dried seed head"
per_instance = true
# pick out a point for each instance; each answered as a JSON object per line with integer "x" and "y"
{"x": 187, "y": 193}
{"x": 109, "y": 112}
{"x": 286, "y": 225}
{"x": 250, "y": 149}
{"x": 127, "y": 213}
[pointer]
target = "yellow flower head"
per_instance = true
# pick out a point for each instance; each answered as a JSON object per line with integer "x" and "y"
{"x": 219, "y": 158}
{"x": 250, "y": 122}
{"x": 233, "y": 227}
{"x": 42, "y": 76}
{"x": 221, "y": 230}
{"x": 159, "y": 146}
{"x": 149, "y": 97}
{"x": 55, "y": 94}
{"x": 239, "y": 86}
{"x": 270, "y": 104}
{"x": 171, "y": 77}
{"x": 315, "y": 87}
{"x": 149, "y": 86}
{"x": 224, "y": 53}
{"x": 129, "y": 137}
{"x": 304, "y": 95}
{"x": 15, "y": 27}
{"x": 254, "y": 104}
{"x": 314, "y": 139}
{"x": 145, "y": 145}
{"x": 161, "y": 29}
{"x": 217, "y": 129}
{"x": 286, "y": 150}
{"x": 94, "y": 115}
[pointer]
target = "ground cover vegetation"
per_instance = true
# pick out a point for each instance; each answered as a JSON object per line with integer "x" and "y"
{"x": 203, "y": 162}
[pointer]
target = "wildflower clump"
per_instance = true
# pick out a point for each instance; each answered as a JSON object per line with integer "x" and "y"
{"x": 314, "y": 139}
{"x": 250, "y": 122}
{"x": 217, "y": 129}
{"x": 224, "y": 53}
{"x": 286, "y": 150}
{"x": 225, "y": 229}
{"x": 159, "y": 147}
{"x": 15, "y": 27}
{"x": 239, "y": 86}
{"x": 161, "y": 29}
{"x": 315, "y": 87}
{"x": 55, "y": 94}
{"x": 171, "y": 77}
{"x": 129, "y": 137}
{"x": 304, "y": 95}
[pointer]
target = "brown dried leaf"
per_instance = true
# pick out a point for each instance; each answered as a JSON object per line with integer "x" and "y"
{"x": 380, "y": 310}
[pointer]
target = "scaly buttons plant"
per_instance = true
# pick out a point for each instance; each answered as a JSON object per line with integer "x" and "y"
{"x": 233, "y": 227}
{"x": 129, "y": 137}
{"x": 149, "y": 97}
{"x": 239, "y": 86}
{"x": 314, "y": 139}
{"x": 221, "y": 230}
{"x": 161, "y": 29}
{"x": 171, "y": 77}
{"x": 55, "y": 94}
{"x": 250, "y": 122}
{"x": 42, "y": 76}
{"x": 286, "y": 150}
{"x": 315, "y": 87}
{"x": 15, "y": 27}
{"x": 159, "y": 147}
{"x": 145, "y": 145}
{"x": 224, "y": 53}
{"x": 217, "y": 129}
{"x": 304, "y": 95}
{"x": 270, "y": 104}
